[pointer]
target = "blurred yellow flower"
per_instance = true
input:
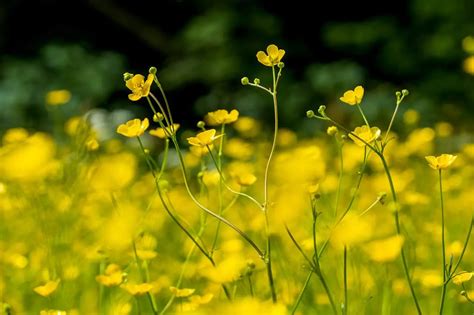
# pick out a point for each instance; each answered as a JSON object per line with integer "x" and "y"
{"x": 468, "y": 44}
{"x": 182, "y": 292}
{"x": 14, "y": 135}
{"x": 139, "y": 87}
{"x": 164, "y": 133}
{"x": 365, "y": 133}
{"x": 133, "y": 128}
{"x": 57, "y": 97}
{"x": 440, "y": 162}
{"x": 353, "y": 97}
{"x": 211, "y": 178}
{"x": 247, "y": 126}
{"x": 137, "y": 289}
{"x": 92, "y": 144}
{"x": 204, "y": 138}
{"x": 221, "y": 117}
{"x": 411, "y": 117}
{"x": 468, "y": 65}
{"x": 462, "y": 277}
{"x": 384, "y": 250}
{"x": 273, "y": 56}
{"x": 200, "y": 151}
{"x": 244, "y": 178}
{"x": 113, "y": 276}
{"x": 52, "y": 312}
{"x": 48, "y": 288}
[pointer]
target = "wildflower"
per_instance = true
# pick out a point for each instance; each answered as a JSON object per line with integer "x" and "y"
{"x": 468, "y": 65}
{"x": 353, "y": 97}
{"x": 113, "y": 276}
{"x": 200, "y": 151}
{"x": 182, "y": 292}
{"x": 247, "y": 126}
{"x": 221, "y": 117}
{"x": 164, "y": 133}
{"x": 133, "y": 128}
{"x": 137, "y": 289}
{"x": 366, "y": 134}
{"x": 273, "y": 56}
{"x": 48, "y": 288}
{"x": 245, "y": 178}
{"x": 52, "y": 312}
{"x": 440, "y": 162}
{"x": 139, "y": 87}
{"x": 204, "y": 138}
{"x": 58, "y": 97}
{"x": 211, "y": 178}
{"x": 462, "y": 277}
{"x": 332, "y": 130}
{"x": 386, "y": 249}
{"x": 92, "y": 144}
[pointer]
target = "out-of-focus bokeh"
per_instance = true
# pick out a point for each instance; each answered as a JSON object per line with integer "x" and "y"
{"x": 201, "y": 50}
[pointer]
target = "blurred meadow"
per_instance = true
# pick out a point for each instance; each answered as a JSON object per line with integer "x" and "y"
{"x": 193, "y": 157}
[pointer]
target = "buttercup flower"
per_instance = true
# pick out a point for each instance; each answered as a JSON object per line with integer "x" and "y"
{"x": 48, "y": 288}
{"x": 273, "y": 56}
{"x": 139, "y": 87}
{"x": 133, "y": 128}
{"x": 182, "y": 292}
{"x": 221, "y": 117}
{"x": 440, "y": 162}
{"x": 137, "y": 289}
{"x": 113, "y": 276}
{"x": 365, "y": 133}
{"x": 353, "y": 97}
{"x": 462, "y": 277}
{"x": 162, "y": 133}
{"x": 58, "y": 97}
{"x": 204, "y": 138}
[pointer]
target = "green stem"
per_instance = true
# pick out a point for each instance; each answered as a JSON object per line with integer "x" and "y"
{"x": 219, "y": 188}
{"x": 443, "y": 247}
{"x": 397, "y": 224}
{"x": 164, "y": 98}
{"x": 391, "y": 123}
{"x": 303, "y": 290}
{"x": 344, "y": 310}
{"x": 339, "y": 184}
{"x": 363, "y": 116}
{"x": 143, "y": 275}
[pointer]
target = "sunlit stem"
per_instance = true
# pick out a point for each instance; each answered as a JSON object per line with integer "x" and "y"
{"x": 300, "y": 295}
{"x": 164, "y": 98}
{"x": 345, "y": 308}
{"x": 160, "y": 106}
{"x": 219, "y": 187}
{"x": 391, "y": 122}
{"x": 363, "y": 116}
{"x": 443, "y": 247}
{"x": 397, "y": 224}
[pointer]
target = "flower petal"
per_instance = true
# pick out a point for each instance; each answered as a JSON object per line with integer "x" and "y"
{"x": 263, "y": 59}
{"x": 272, "y": 51}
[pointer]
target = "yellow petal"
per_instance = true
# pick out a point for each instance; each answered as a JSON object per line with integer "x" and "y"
{"x": 134, "y": 97}
{"x": 272, "y": 51}
{"x": 432, "y": 162}
{"x": 462, "y": 277}
{"x": 359, "y": 93}
{"x": 264, "y": 59}
{"x": 281, "y": 53}
{"x": 137, "y": 80}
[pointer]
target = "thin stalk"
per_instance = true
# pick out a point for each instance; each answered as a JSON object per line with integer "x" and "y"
{"x": 363, "y": 116}
{"x": 344, "y": 310}
{"x": 468, "y": 236}
{"x": 164, "y": 98}
{"x": 143, "y": 275}
{"x": 443, "y": 248}
{"x": 303, "y": 290}
{"x": 391, "y": 122}
{"x": 339, "y": 183}
{"x": 397, "y": 224}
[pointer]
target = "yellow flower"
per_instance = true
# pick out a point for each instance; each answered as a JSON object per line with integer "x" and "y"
{"x": 440, "y": 162}
{"x": 366, "y": 134}
{"x": 221, "y": 117}
{"x": 48, "y": 288}
{"x": 468, "y": 65}
{"x": 163, "y": 133}
{"x": 133, "y": 128}
{"x": 52, "y": 312}
{"x": 353, "y": 97}
{"x": 58, "y": 97}
{"x": 204, "y": 138}
{"x": 245, "y": 179}
{"x": 200, "y": 151}
{"x": 386, "y": 249}
{"x": 273, "y": 58}
{"x": 139, "y": 87}
{"x": 137, "y": 289}
{"x": 462, "y": 277}
{"x": 182, "y": 292}
{"x": 113, "y": 276}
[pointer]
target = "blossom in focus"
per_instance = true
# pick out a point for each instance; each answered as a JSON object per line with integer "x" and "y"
{"x": 133, "y": 128}
{"x": 366, "y": 134}
{"x": 204, "y": 138}
{"x": 353, "y": 97}
{"x": 139, "y": 87}
{"x": 272, "y": 57}
{"x": 221, "y": 117}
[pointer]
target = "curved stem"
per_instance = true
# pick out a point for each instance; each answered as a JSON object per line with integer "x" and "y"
{"x": 300, "y": 296}
{"x": 397, "y": 224}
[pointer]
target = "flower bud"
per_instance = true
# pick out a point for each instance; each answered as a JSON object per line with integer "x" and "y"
{"x": 310, "y": 114}
{"x": 256, "y": 81}
{"x": 127, "y": 76}
{"x": 322, "y": 110}
{"x": 281, "y": 65}
{"x": 405, "y": 92}
{"x": 332, "y": 130}
{"x": 244, "y": 81}
{"x": 158, "y": 117}
{"x": 398, "y": 94}
{"x": 201, "y": 124}
{"x": 152, "y": 70}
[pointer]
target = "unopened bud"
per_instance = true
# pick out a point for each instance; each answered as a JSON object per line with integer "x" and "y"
{"x": 322, "y": 110}
{"x": 405, "y": 92}
{"x": 201, "y": 124}
{"x": 152, "y": 70}
{"x": 244, "y": 81}
{"x": 310, "y": 114}
{"x": 256, "y": 81}
{"x": 158, "y": 117}
{"x": 281, "y": 65}
{"x": 398, "y": 94}
{"x": 127, "y": 76}
{"x": 332, "y": 130}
